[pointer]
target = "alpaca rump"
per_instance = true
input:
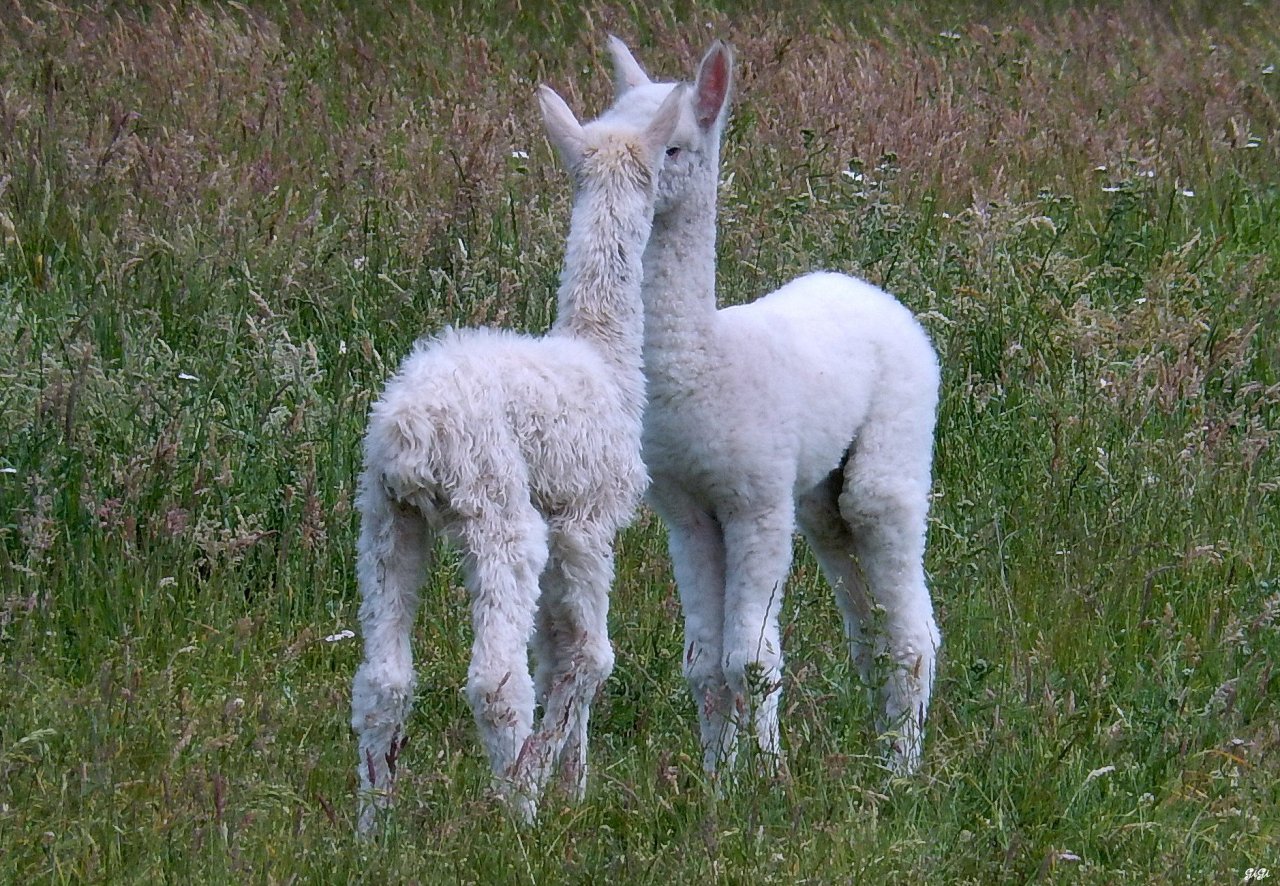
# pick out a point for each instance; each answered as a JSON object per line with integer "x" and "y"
{"x": 811, "y": 408}
{"x": 525, "y": 454}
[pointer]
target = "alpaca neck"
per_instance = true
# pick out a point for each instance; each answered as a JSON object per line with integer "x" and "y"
{"x": 680, "y": 286}
{"x": 600, "y": 286}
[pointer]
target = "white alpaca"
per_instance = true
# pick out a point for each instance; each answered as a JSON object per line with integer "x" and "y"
{"x": 813, "y": 406}
{"x": 525, "y": 453}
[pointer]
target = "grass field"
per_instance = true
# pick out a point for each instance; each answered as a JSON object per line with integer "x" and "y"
{"x": 222, "y": 225}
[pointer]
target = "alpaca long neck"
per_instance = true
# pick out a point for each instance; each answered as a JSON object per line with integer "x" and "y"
{"x": 680, "y": 286}
{"x": 600, "y": 286}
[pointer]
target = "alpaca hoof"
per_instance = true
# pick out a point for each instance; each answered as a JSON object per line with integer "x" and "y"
{"x": 903, "y": 756}
{"x": 573, "y": 782}
{"x": 367, "y": 816}
{"x": 525, "y": 810}
{"x": 522, "y": 807}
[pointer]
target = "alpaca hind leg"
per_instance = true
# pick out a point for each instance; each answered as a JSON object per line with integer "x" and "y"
{"x": 505, "y": 553}
{"x": 885, "y": 502}
{"x": 394, "y": 553}
{"x": 575, "y": 656}
{"x": 818, "y": 517}
{"x": 757, "y": 560}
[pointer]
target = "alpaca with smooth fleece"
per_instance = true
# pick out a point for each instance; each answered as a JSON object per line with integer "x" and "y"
{"x": 524, "y": 453}
{"x": 812, "y": 407}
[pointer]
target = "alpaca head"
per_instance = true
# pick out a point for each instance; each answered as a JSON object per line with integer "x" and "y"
{"x": 622, "y": 156}
{"x": 691, "y": 168}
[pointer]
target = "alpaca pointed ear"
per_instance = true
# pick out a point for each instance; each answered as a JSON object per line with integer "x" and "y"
{"x": 658, "y": 133}
{"x": 627, "y": 73}
{"x": 711, "y": 89}
{"x": 563, "y": 129}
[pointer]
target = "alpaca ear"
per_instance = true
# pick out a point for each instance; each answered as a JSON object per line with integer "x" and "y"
{"x": 711, "y": 90}
{"x": 658, "y": 133}
{"x": 627, "y": 73}
{"x": 563, "y": 129}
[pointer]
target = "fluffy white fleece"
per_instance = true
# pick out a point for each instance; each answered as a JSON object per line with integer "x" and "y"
{"x": 813, "y": 407}
{"x": 525, "y": 453}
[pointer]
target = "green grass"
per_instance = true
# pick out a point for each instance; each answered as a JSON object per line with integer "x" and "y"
{"x": 221, "y": 227}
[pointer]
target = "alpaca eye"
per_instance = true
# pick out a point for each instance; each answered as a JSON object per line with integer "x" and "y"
{"x": 672, "y": 151}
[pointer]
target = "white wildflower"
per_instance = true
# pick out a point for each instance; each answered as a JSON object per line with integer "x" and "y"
{"x": 1099, "y": 772}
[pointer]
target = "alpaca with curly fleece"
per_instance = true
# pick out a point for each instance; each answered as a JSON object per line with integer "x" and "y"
{"x": 812, "y": 407}
{"x": 524, "y": 453}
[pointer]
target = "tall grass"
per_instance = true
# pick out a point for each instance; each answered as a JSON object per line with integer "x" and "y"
{"x": 221, "y": 226}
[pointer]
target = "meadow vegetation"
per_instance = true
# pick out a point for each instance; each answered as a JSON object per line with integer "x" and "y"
{"x": 222, "y": 225}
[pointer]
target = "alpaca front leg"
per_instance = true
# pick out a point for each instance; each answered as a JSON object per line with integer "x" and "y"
{"x": 555, "y": 678}
{"x": 394, "y": 550}
{"x": 574, "y": 655}
{"x": 696, "y": 544}
{"x": 757, "y": 558}
{"x": 549, "y": 640}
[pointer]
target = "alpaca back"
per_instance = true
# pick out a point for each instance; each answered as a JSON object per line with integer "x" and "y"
{"x": 474, "y": 410}
{"x": 826, "y": 356}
